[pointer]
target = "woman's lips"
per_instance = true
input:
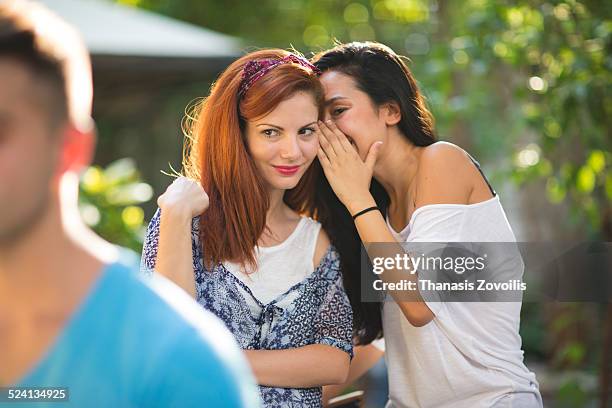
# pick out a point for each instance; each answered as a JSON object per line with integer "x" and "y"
{"x": 287, "y": 170}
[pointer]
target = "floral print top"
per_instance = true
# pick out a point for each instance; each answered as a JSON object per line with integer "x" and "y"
{"x": 313, "y": 311}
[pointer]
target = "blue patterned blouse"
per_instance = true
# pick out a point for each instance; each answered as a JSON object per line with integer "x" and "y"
{"x": 313, "y": 311}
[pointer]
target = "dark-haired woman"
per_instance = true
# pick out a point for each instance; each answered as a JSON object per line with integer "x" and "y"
{"x": 234, "y": 237}
{"x": 438, "y": 354}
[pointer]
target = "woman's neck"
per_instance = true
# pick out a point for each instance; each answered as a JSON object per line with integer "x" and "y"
{"x": 397, "y": 166}
{"x": 278, "y": 211}
{"x": 280, "y": 220}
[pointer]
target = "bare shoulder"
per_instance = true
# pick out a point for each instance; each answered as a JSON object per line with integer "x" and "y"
{"x": 443, "y": 154}
{"x": 323, "y": 243}
{"x": 444, "y": 175}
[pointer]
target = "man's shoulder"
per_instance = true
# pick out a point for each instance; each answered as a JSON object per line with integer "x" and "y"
{"x": 172, "y": 308}
{"x": 180, "y": 339}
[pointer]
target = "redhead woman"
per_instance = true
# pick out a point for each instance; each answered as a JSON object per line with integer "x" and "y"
{"x": 379, "y": 133}
{"x": 232, "y": 233}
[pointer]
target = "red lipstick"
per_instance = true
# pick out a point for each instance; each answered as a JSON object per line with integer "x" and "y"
{"x": 287, "y": 170}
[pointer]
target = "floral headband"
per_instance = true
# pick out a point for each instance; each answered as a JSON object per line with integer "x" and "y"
{"x": 254, "y": 70}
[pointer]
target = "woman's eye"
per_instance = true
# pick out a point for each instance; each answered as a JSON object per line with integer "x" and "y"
{"x": 337, "y": 111}
{"x": 270, "y": 132}
{"x": 307, "y": 131}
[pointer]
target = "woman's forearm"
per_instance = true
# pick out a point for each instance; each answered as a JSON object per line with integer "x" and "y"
{"x": 174, "y": 256}
{"x": 365, "y": 358}
{"x": 350, "y": 175}
{"x": 314, "y": 365}
{"x": 373, "y": 229}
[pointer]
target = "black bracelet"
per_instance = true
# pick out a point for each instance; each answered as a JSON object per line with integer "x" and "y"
{"x": 365, "y": 211}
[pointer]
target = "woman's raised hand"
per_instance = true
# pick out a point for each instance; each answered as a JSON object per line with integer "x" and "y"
{"x": 348, "y": 175}
{"x": 184, "y": 197}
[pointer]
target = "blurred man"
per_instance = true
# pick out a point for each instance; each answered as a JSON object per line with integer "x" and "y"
{"x": 74, "y": 315}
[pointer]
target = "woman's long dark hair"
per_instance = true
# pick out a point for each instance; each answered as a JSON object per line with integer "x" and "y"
{"x": 381, "y": 74}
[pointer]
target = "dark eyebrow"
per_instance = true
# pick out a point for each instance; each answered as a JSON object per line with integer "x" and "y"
{"x": 334, "y": 99}
{"x": 280, "y": 128}
{"x": 309, "y": 124}
{"x": 267, "y": 124}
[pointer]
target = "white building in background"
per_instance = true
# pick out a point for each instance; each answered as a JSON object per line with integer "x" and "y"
{"x": 112, "y": 29}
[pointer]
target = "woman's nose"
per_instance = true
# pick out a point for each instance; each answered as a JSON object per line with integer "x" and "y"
{"x": 290, "y": 148}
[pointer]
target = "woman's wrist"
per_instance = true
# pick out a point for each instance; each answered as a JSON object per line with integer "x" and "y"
{"x": 176, "y": 214}
{"x": 358, "y": 205}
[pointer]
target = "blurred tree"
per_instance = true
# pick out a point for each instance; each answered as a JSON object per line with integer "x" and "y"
{"x": 526, "y": 80}
{"x": 110, "y": 201}
{"x": 525, "y": 84}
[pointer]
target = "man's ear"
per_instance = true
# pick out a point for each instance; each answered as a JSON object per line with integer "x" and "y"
{"x": 391, "y": 113}
{"x": 76, "y": 150}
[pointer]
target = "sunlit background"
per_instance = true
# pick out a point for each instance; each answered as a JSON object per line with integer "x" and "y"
{"x": 525, "y": 86}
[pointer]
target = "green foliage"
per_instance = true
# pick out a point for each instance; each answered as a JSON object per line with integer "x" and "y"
{"x": 110, "y": 201}
{"x": 523, "y": 84}
{"x": 533, "y": 331}
{"x": 571, "y": 394}
{"x": 560, "y": 51}
{"x": 526, "y": 84}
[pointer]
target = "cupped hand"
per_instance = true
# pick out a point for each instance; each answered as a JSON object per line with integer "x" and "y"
{"x": 348, "y": 175}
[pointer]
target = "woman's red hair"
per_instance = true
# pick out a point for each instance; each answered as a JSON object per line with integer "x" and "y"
{"x": 216, "y": 153}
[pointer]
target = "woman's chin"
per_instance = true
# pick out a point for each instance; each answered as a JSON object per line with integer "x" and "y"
{"x": 288, "y": 185}
{"x": 284, "y": 183}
